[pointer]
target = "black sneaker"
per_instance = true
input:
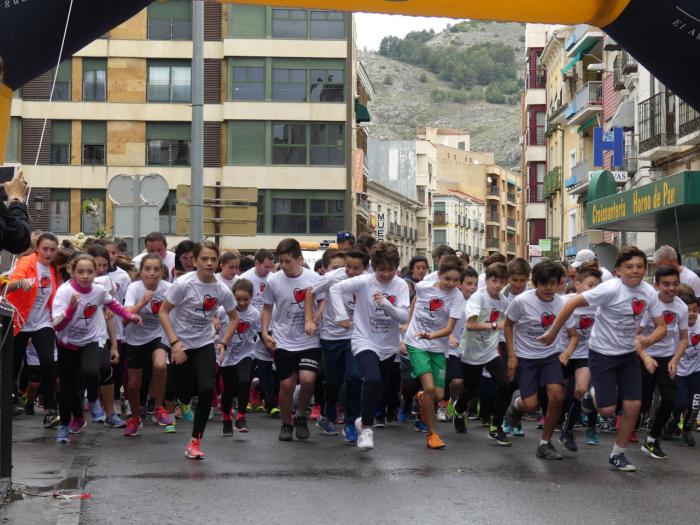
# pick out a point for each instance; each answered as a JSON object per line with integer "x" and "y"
{"x": 286, "y": 432}
{"x": 29, "y": 407}
{"x": 51, "y": 419}
{"x": 621, "y": 463}
{"x": 687, "y": 439}
{"x": 500, "y": 438}
{"x": 653, "y": 450}
{"x": 587, "y": 405}
{"x": 301, "y": 427}
{"x": 228, "y": 428}
{"x": 669, "y": 429}
{"x": 513, "y": 416}
{"x": 460, "y": 423}
{"x": 242, "y": 425}
{"x": 548, "y": 451}
{"x": 567, "y": 439}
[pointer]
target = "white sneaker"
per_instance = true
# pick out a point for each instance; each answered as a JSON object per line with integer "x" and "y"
{"x": 126, "y": 408}
{"x": 365, "y": 436}
{"x": 441, "y": 414}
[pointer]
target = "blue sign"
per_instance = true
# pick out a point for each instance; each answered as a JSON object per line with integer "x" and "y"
{"x": 611, "y": 141}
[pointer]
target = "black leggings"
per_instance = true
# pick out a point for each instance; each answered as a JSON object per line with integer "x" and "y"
{"x": 44, "y": 341}
{"x": 667, "y": 390}
{"x": 472, "y": 379}
{"x": 91, "y": 362}
{"x": 269, "y": 385}
{"x": 236, "y": 380}
{"x": 375, "y": 376}
{"x": 200, "y": 367}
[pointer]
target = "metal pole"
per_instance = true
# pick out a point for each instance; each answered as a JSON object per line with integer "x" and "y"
{"x": 136, "y": 228}
{"x": 6, "y": 387}
{"x": 197, "y": 147}
{"x": 350, "y": 126}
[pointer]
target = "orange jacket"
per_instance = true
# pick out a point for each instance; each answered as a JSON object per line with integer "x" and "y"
{"x": 23, "y": 301}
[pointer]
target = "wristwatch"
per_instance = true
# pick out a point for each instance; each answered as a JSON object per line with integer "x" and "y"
{"x": 494, "y": 325}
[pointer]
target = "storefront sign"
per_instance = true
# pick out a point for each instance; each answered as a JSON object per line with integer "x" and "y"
{"x": 533, "y": 250}
{"x": 545, "y": 245}
{"x": 381, "y": 231}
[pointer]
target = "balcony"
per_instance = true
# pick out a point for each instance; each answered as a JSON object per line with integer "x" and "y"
{"x": 511, "y": 222}
{"x": 555, "y": 115}
{"x": 657, "y": 133}
{"x": 587, "y": 101}
{"x": 493, "y": 244}
{"x": 511, "y": 197}
{"x": 630, "y": 159}
{"x": 362, "y": 210}
{"x": 511, "y": 247}
{"x": 439, "y": 218}
{"x": 552, "y": 182}
{"x": 688, "y": 124}
{"x": 493, "y": 218}
{"x": 628, "y": 63}
{"x": 577, "y": 184}
{"x": 493, "y": 192}
{"x": 536, "y": 79}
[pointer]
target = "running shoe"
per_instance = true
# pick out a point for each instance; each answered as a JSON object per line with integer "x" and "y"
{"x": 567, "y": 439}
{"x": 518, "y": 431}
{"x": 365, "y": 440}
{"x": 473, "y": 415}
{"x": 434, "y": 442}
{"x": 301, "y": 427}
{"x": 591, "y": 436}
{"x": 126, "y": 408}
{"x": 286, "y": 432}
{"x": 96, "y": 412}
{"x": 513, "y": 416}
{"x": 634, "y": 438}
{"x": 161, "y": 418}
{"x": 187, "y": 414}
{"x": 241, "y": 425}
{"x": 420, "y": 426}
{"x": 228, "y": 428}
{"x": 687, "y": 439}
{"x": 500, "y": 437}
{"x": 77, "y": 424}
{"x": 327, "y": 428}
{"x": 193, "y": 451}
{"x": 460, "y": 423}
{"x": 587, "y": 404}
{"x": 133, "y": 425}
{"x": 379, "y": 422}
{"x": 507, "y": 428}
{"x": 403, "y": 416}
{"x": 63, "y": 434}
{"x": 350, "y": 433}
{"x": 540, "y": 423}
{"x": 17, "y": 410}
{"x": 653, "y": 450}
{"x": 606, "y": 426}
{"x": 315, "y": 412}
{"x": 114, "y": 421}
{"x": 274, "y": 412}
{"x": 547, "y": 451}
{"x": 450, "y": 408}
{"x": 441, "y": 415}
{"x": 621, "y": 463}
{"x": 51, "y": 419}
{"x": 172, "y": 428}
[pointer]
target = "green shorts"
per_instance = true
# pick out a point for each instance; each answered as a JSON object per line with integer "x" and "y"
{"x": 424, "y": 362}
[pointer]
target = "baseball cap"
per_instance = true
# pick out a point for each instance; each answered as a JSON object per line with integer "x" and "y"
{"x": 583, "y": 256}
{"x": 344, "y": 236}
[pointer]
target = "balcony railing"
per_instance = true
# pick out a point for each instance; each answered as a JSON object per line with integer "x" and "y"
{"x": 579, "y": 173}
{"x": 591, "y": 94}
{"x": 688, "y": 119}
{"x": 628, "y": 63}
{"x": 493, "y": 191}
{"x": 511, "y": 247}
{"x": 493, "y": 243}
{"x": 552, "y": 182}
{"x": 511, "y": 196}
{"x": 630, "y": 159}
{"x": 511, "y": 222}
{"x": 536, "y": 79}
{"x": 555, "y": 111}
{"x": 494, "y": 217}
{"x": 656, "y": 122}
{"x": 439, "y": 217}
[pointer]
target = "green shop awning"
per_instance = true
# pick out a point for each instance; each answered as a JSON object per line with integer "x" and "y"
{"x": 578, "y": 56}
{"x": 648, "y": 207}
{"x": 590, "y": 122}
{"x": 361, "y": 113}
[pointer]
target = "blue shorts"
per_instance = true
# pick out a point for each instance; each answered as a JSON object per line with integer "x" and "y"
{"x": 615, "y": 376}
{"x": 534, "y": 374}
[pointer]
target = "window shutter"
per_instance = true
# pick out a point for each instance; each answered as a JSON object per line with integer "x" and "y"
{"x": 212, "y": 20}
{"x": 247, "y": 21}
{"x": 39, "y": 88}
{"x": 168, "y": 131}
{"x": 212, "y": 81}
{"x": 94, "y": 132}
{"x": 246, "y": 143}
{"x": 212, "y": 144}
{"x": 31, "y": 134}
{"x": 60, "y": 132}
{"x": 94, "y": 64}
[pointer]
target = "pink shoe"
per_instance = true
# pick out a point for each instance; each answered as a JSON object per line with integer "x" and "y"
{"x": 160, "y": 416}
{"x": 315, "y": 412}
{"x": 77, "y": 424}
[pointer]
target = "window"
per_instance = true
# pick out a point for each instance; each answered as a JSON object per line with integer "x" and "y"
{"x": 439, "y": 237}
{"x": 538, "y": 170}
{"x": 61, "y": 90}
{"x": 248, "y": 79}
{"x": 327, "y": 85}
{"x": 327, "y": 25}
{"x": 247, "y": 21}
{"x": 246, "y": 143}
{"x": 167, "y": 214}
{"x": 94, "y": 135}
{"x": 291, "y": 212}
{"x": 12, "y": 149}
{"x": 60, "y": 141}
{"x": 59, "y": 212}
{"x": 327, "y": 145}
{"x": 288, "y": 84}
{"x": 169, "y": 82}
{"x": 289, "y": 143}
{"x": 171, "y": 20}
{"x": 92, "y": 212}
{"x": 289, "y": 23}
{"x": 94, "y": 79}
{"x": 168, "y": 143}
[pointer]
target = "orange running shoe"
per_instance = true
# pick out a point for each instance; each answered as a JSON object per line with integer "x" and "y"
{"x": 193, "y": 451}
{"x": 435, "y": 442}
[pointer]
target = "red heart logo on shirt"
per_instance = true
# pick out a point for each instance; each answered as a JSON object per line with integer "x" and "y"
{"x": 435, "y": 304}
{"x": 669, "y": 317}
{"x": 694, "y": 339}
{"x": 155, "y": 306}
{"x": 299, "y": 295}
{"x": 89, "y": 310}
{"x": 262, "y": 287}
{"x": 548, "y": 320}
{"x": 44, "y": 281}
{"x": 638, "y": 306}
{"x": 391, "y": 298}
{"x": 495, "y": 314}
{"x": 242, "y": 327}
{"x": 585, "y": 322}
{"x": 209, "y": 303}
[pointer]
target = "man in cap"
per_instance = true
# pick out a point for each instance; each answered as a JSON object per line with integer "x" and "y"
{"x": 584, "y": 256}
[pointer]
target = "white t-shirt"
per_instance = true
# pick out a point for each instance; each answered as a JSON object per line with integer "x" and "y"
{"x": 169, "y": 262}
{"x": 196, "y": 305}
{"x": 120, "y": 281}
{"x": 481, "y": 281}
{"x": 375, "y": 327}
{"x": 583, "y": 320}
{"x": 675, "y": 314}
{"x": 88, "y": 322}
{"x": 532, "y": 317}
{"x": 259, "y": 284}
{"x": 40, "y": 314}
{"x": 478, "y": 347}
{"x": 619, "y": 310}
{"x": 431, "y": 277}
{"x": 228, "y": 283}
{"x": 330, "y": 330}
{"x": 245, "y": 339}
{"x": 287, "y": 294}
{"x": 151, "y": 329}
{"x": 432, "y": 311}
{"x": 606, "y": 273}
{"x": 690, "y": 278}
{"x": 690, "y": 362}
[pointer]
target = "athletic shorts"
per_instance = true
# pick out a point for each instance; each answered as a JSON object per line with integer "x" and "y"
{"x": 534, "y": 374}
{"x": 573, "y": 365}
{"x": 424, "y": 362}
{"x": 615, "y": 376}
{"x": 454, "y": 368}
{"x": 139, "y": 357}
{"x": 288, "y": 362}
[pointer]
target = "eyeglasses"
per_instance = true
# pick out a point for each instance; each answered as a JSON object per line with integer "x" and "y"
{"x": 344, "y": 236}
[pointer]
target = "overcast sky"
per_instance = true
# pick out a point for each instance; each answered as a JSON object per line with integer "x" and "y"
{"x": 371, "y": 28}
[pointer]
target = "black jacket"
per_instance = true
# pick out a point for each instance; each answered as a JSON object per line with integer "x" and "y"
{"x": 15, "y": 234}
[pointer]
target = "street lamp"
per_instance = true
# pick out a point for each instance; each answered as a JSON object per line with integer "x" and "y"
{"x": 39, "y": 202}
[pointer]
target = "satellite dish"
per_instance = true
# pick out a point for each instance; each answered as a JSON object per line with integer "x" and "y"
{"x": 122, "y": 189}
{"x": 154, "y": 189}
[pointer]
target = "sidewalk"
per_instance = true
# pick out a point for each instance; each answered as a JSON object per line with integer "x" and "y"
{"x": 42, "y": 467}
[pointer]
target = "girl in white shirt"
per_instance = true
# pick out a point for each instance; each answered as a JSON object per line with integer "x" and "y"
{"x": 228, "y": 268}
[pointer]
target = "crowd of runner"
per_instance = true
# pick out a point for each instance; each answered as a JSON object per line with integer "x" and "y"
{"x": 358, "y": 341}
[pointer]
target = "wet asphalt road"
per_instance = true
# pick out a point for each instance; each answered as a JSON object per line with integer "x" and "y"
{"x": 253, "y": 477}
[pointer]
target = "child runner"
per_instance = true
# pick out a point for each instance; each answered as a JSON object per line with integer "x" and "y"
{"x": 228, "y": 268}
{"x": 381, "y": 305}
{"x": 479, "y": 349}
{"x": 187, "y": 317}
{"x": 296, "y": 353}
{"x": 529, "y": 316}
{"x": 667, "y": 353}
{"x": 144, "y": 345}
{"x": 575, "y": 358}
{"x": 440, "y": 251}
{"x": 689, "y": 374}
{"x": 614, "y": 346}
{"x": 79, "y": 324}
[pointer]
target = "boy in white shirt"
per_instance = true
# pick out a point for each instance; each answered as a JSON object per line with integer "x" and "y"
{"x": 689, "y": 374}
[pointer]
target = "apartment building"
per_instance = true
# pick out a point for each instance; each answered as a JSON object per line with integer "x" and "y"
{"x": 279, "y": 93}
{"x": 459, "y": 221}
